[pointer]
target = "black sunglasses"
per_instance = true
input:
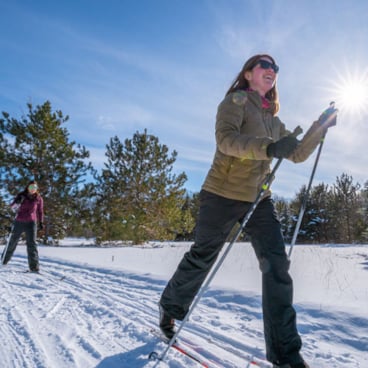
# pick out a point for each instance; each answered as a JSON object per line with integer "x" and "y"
{"x": 264, "y": 64}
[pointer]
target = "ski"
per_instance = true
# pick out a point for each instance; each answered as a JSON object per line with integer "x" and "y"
{"x": 202, "y": 356}
{"x": 182, "y": 348}
{"x": 58, "y": 278}
{"x": 29, "y": 271}
{"x": 242, "y": 352}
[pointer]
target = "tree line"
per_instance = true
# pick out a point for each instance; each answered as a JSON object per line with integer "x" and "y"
{"x": 334, "y": 214}
{"x": 136, "y": 196}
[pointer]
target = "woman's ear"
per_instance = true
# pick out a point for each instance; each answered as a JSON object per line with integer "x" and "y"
{"x": 248, "y": 75}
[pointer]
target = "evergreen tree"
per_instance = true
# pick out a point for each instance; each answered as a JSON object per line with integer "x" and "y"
{"x": 37, "y": 147}
{"x": 191, "y": 211}
{"x": 6, "y": 218}
{"x": 345, "y": 208}
{"x": 138, "y": 197}
{"x": 295, "y": 206}
{"x": 285, "y": 217}
{"x": 364, "y": 211}
{"x": 317, "y": 217}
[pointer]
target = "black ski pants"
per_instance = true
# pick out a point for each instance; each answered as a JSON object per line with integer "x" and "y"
{"x": 217, "y": 216}
{"x": 30, "y": 229}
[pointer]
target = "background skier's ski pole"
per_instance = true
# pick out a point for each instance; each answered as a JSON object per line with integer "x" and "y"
{"x": 3, "y": 255}
{"x": 306, "y": 195}
{"x": 7, "y": 245}
{"x": 265, "y": 186}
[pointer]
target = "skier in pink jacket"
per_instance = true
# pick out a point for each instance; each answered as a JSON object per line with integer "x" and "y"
{"x": 29, "y": 207}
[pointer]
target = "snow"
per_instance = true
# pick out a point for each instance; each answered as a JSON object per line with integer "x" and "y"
{"x": 94, "y": 307}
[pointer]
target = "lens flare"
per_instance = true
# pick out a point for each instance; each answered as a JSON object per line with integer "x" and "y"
{"x": 353, "y": 95}
{"x": 351, "y": 91}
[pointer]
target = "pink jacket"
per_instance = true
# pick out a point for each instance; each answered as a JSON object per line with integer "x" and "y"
{"x": 31, "y": 208}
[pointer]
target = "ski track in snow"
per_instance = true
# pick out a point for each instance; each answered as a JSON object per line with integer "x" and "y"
{"x": 73, "y": 315}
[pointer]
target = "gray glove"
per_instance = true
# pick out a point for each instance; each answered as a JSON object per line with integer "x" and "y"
{"x": 283, "y": 147}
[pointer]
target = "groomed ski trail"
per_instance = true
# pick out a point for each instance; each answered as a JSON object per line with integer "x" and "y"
{"x": 79, "y": 316}
{"x": 48, "y": 319}
{"x": 50, "y": 315}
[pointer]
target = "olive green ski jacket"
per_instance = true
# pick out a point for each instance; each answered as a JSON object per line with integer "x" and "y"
{"x": 244, "y": 129}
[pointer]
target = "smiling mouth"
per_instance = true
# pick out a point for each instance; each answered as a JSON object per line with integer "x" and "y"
{"x": 269, "y": 78}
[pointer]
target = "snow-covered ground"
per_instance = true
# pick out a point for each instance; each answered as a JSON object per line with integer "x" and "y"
{"x": 94, "y": 307}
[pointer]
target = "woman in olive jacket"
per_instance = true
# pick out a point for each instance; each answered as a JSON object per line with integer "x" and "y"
{"x": 29, "y": 207}
{"x": 248, "y": 136}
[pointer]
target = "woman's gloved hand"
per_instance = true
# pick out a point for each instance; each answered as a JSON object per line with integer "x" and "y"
{"x": 282, "y": 148}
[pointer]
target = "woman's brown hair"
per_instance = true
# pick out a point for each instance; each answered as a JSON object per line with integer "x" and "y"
{"x": 241, "y": 83}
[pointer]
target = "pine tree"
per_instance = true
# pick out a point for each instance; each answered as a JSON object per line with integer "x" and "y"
{"x": 317, "y": 217}
{"x": 363, "y": 236}
{"x": 6, "y": 218}
{"x": 346, "y": 208}
{"x": 37, "y": 147}
{"x": 285, "y": 217}
{"x": 295, "y": 206}
{"x": 190, "y": 214}
{"x": 138, "y": 196}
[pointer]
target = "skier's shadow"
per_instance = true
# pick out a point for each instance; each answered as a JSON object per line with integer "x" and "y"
{"x": 136, "y": 358}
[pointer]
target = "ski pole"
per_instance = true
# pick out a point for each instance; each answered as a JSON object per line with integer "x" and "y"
{"x": 7, "y": 245}
{"x": 9, "y": 237}
{"x": 305, "y": 199}
{"x": 306, "y": 195}
{"x": 265, "y": 186}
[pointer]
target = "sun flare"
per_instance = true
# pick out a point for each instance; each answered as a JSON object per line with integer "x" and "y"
{"x": 351, "y": 93}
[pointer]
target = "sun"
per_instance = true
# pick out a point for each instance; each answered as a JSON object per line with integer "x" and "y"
{"x": 351, "y": 92}
{"x": 353, "y": 95}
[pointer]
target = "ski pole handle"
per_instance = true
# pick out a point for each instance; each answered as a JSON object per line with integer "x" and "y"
{"x": 298, "y": 130}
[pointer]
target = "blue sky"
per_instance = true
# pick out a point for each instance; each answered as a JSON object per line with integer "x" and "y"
{"x": 118, "y": 66}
